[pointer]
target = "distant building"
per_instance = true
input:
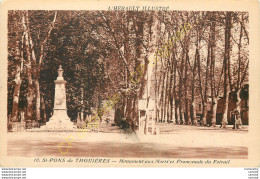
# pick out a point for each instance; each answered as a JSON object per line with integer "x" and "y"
{"x": 244, "y": 95}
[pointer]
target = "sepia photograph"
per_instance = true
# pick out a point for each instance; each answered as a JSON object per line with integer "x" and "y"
{"x": 167, "y": 74}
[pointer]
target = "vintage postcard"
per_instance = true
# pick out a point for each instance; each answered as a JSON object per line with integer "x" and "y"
{"x": 130, "y": 83}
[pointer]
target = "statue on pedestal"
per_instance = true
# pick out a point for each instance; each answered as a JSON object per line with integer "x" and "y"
{"x": 60, "y": 119}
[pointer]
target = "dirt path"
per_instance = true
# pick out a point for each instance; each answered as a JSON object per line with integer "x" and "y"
{"x": 182, "y": 142}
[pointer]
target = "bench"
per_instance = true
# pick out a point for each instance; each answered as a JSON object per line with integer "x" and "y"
{"x": 89, "y": 126}
{"x": 93, "y": 126}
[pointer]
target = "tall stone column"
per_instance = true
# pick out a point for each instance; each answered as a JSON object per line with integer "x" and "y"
{"x": 60, "y": 119}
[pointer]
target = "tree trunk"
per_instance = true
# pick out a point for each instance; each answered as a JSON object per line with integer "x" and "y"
{"x": 205, "y": 102}
{"x": 226, "y": 67}
{"x": 177, "y": 115}
{"x": 44, "y": 118}
{"x": 238, "y": 107}
{"x": 225, "y": 112}
{"x": 30, "y": 94}
{"x": 238, "y": 87}
{"x": 17, "y": 85}
{"x": 38, "y": 100}
{"x": 193, "y": 113}
{"x": 200, "y": 80}
{"x": 214, "y": 111}
{"x": 177, "y": 121}
{"x": 159, "y": 88}
{"x": 193, "y": 104}
{"x": 162, "y": 97}
{"x": 171, "y": 93}
{"x": 187, "y": 111}
{"x": 181, "y": 119}
{"x": 166, "y": 97}
{"x": 156, "y": 93}
{"x": 180, "y": 89}
{"x": 214, "y": 96}
{"x": 151, "y": 30}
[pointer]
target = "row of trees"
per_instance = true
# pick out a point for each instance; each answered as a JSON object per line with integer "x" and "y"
{"x": 40, "y": 41}
{"x": 107, "y": 52}
{"x": 211, "y": 60}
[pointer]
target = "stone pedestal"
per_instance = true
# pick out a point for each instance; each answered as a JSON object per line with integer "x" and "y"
{"x": 60, "y": 119}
